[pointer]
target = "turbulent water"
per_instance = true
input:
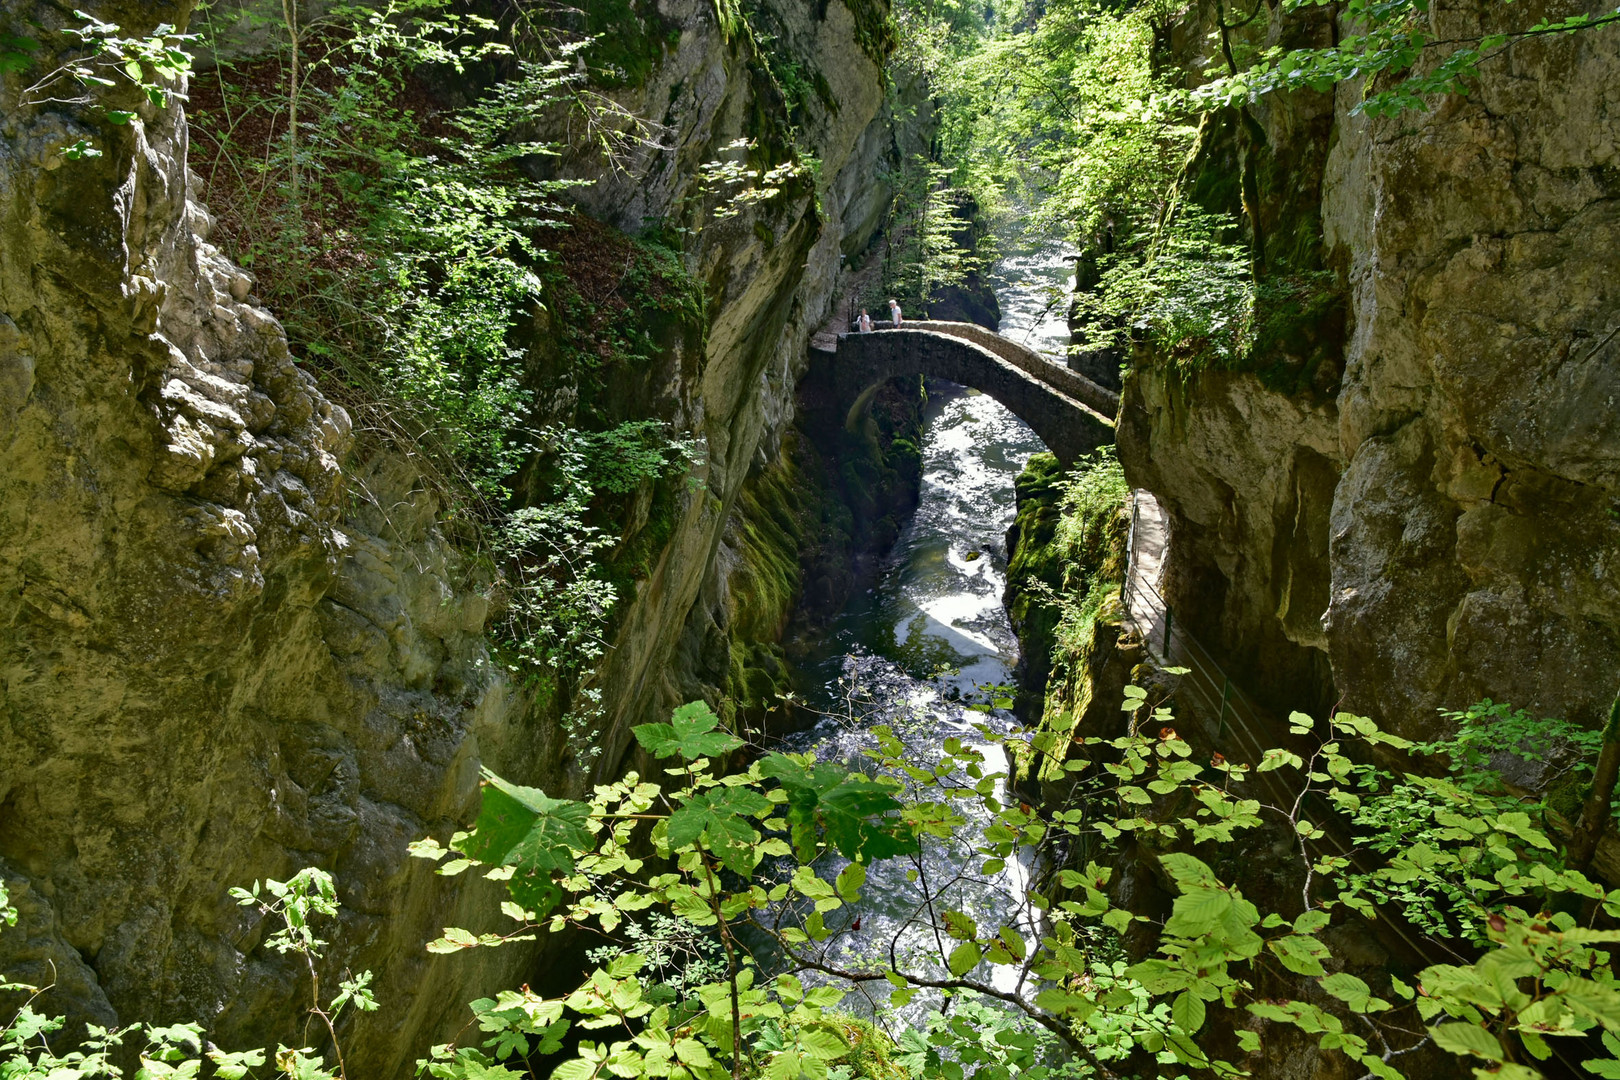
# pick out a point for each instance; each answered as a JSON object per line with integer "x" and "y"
{"x": 1033, "y": 287}
{"x": 929, "y": 652}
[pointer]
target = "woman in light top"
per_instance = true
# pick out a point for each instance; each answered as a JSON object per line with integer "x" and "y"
{"x": 864, "y": 323}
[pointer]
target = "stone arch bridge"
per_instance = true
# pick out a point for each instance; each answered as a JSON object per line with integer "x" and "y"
{"x": 1070, "y": 413}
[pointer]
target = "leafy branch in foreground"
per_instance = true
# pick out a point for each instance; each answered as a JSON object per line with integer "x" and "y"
{"x": 154, "y": 66}
{"x": 178, "y": 1051}
{"x": 1388, "y": 37}
{"x": 781, "y": 852}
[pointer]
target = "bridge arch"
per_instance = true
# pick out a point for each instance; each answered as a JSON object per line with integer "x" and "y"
{"x": 1069, "y": 412}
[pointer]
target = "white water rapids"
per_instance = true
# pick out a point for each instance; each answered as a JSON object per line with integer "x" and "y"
{"x": 930, "y": 640}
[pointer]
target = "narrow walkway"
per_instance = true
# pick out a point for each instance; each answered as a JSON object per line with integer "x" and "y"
{"x": 1232, "y": 721}
{"x": 1150, "y": 537}
{"x": 1236, "y": 725}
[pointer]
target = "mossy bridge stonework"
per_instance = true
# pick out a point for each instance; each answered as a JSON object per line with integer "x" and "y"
{"x": 1070, "y": 413}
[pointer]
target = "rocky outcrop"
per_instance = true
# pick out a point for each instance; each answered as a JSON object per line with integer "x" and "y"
{"x": 770, "y": 270}
{"x": 1247, "y": 474}
{"x": 222, "y": 659}
{"x": 231, "y": 643}
{"x": 808, "y": 531}
{"x": 1473, "y": 533}
{"x": 1431, "y": 522}
{"x": 1066, "y": 563}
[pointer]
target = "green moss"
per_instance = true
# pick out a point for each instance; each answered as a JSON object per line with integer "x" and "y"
{"x": 1063, "y": 577}
{"x": 1299, "y": 324}
{"x": 871, "y": 1052}
{"x": 1035, "y": 559}
{"x": 1295, "y": 323}
{"x": 874, "y": 29}
{"x": 630, "y": 38}
{"x": 769, "y": 529}
{"x": 618, "y": 310}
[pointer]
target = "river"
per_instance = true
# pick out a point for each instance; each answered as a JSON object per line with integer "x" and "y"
{"x": 929, "y": 652}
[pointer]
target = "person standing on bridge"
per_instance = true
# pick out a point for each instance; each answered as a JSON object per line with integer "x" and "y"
{"x": 864, "y": 323}
{"x": 894, "y": 312}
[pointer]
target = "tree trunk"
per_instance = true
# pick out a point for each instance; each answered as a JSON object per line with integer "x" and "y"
{"x": 1595, "y": 814}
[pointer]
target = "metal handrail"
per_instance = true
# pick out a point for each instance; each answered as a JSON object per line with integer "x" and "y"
{"x": 1223, "y": 697}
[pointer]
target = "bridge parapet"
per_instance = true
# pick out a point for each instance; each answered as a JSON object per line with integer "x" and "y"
{"x": 1065, "y": 379}
{"x": 1069, "y": 426}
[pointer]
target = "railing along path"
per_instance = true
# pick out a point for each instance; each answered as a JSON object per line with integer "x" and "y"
{"x": 1232, "y": 719}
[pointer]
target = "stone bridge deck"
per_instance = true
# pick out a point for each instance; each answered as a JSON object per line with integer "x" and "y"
{"x": 1071, "y": 414}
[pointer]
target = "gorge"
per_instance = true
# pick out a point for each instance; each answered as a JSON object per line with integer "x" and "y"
{"x": 409, "y": 408}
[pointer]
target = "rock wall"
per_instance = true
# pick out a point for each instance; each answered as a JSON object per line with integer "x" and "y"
{"x": 221, "y": 660}
{"x": 1477, "y": 416}
{"x": 233, "y": 641}
{"x": 771, "y": 273}
{"x": 1422, "y": 514}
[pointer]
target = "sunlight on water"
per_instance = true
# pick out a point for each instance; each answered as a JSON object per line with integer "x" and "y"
{"x": 1033, "y": 288}
{"x": 928, "y": 641}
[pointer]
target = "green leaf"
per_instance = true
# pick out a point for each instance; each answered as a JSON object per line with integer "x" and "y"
{"x": 1311, "y": 921}
{"x": 575, "y": 1069}
{"x": 1188, "y": 1012}
{"x": 1599, "y": 1002}
{"x": 235, "y": 1066}
{"x": 855, "y": 816}
{"x": 824, "y": 997}
{"x": 849, "y": 882}
{"x": 693, "y": 1053}
{"x": 1353, "y": 992}
{"x": 720, "y": 816}
{"x": 691, "y": 734}
{"x": 1300, "y": 954}
{"x": 1276, "y": 759}
{"x": 823, "y": 1043}
{"x": 964, "y": 958}
{"x": 526, "y": 829}
{"x": 852, "y": 810}
{"x": 1467, "y": 1039}
{"x": 784, "y": 1066}
{"x": 1075, "y": 1006}
{"x": 1198, "y": 911}
{"x": 960, "y": 926}
{"x": 1188, "y": 872}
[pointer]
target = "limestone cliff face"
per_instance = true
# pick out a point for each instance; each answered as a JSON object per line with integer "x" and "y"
{"x": 230, "y": 648}
{"x": 231, "y": 644}
{"x": 1424, "y": 518}
{"x": 1477, "y": 418}
{"x": 771, "y": 271}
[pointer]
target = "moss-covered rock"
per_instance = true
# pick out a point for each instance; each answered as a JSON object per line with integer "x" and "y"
{"x": 1034, "y": 557}
{"x": 807, "y": 531}
{"x": 628, "y": 39}
{"x": 1067, "y": 558}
